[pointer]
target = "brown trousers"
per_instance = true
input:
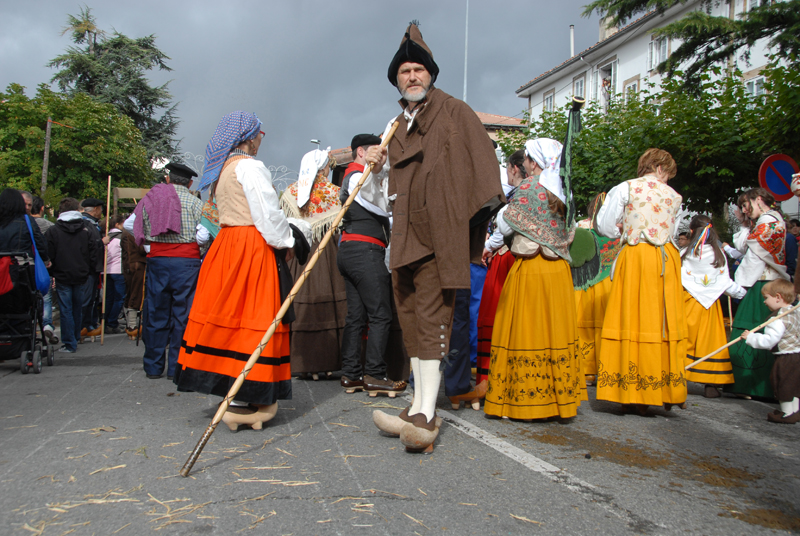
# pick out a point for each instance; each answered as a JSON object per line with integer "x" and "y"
{"x": 134, "y": 282}
{"x": 424, "y": 308}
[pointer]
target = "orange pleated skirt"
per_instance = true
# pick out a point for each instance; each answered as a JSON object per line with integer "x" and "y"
{"x": 535, "y": 371}
{"x": 590, "y": 305}
{"x": 644, "y": 338}
{"x": 706, "y": 334}
{"x": 236, "y": 300}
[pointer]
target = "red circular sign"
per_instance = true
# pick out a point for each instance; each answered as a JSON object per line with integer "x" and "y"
{"x": 775, "y": 174}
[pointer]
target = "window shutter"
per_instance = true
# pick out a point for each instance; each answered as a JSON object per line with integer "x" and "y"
{"x": 650, "y": 56}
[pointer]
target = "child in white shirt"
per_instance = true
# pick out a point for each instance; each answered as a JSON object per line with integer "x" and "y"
{"x": 779, "y": 295}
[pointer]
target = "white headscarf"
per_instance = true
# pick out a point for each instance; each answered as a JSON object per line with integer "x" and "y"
{"x": 547, "y": 153}
{"x": 312, "y": 162}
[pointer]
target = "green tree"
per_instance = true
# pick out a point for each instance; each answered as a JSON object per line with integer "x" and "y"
{"x": 708, "y": 40}
{"x": 112, "y": 70}
{"x": 780, "y": 110}
{"x": 100, "y": 142}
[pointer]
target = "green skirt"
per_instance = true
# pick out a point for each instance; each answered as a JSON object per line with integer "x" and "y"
{"x": 751, "y": 367}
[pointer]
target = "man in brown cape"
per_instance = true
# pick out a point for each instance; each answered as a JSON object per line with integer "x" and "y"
{"x": 442, "y": 171}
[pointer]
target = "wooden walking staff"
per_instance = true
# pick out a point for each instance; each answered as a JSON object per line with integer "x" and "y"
{"x": 740, "y": 337}
{"x": 223, "y": 407}
{"x": 730, "y": 310}
{"x": 105, "y": 266}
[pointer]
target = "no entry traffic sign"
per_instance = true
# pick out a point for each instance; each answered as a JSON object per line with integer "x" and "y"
{"x": 775, "y": 174}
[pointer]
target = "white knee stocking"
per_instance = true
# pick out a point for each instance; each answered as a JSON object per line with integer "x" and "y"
{"x": 416, "y": 402}
{"x": 787, "y": 407}
{"x": 429, "y": 379}
{"x": 795, "y": 405}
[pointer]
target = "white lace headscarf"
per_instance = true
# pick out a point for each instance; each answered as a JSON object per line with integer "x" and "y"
{"x": 547, "y": 154}
{"x": 311, "y": 163}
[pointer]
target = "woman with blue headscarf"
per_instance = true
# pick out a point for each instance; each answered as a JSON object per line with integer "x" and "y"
{"x": 238, "y": 292}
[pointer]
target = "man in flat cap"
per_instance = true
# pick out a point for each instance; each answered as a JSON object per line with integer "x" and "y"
{"x": 362, "y": 263}
{"x": 167, "y": 221}
{"x": 91, "y": 210}
{"x": 442, "y": 172}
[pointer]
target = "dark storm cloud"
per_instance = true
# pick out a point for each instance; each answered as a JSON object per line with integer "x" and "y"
{"x": 309, "y": 69}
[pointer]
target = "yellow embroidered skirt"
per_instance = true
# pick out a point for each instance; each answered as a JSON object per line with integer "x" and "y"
{"x": 706, "y": 334}
{"x": 644, "y": 338}
{"x": 590, "y": 305}
{"x": 534, "y": 369}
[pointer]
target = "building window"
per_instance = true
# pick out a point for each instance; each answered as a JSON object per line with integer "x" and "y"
{"x": 755, "y": 89}
{"x": 657, "y": 53}
{"x": 755, "y": 86}
{"x": 578, "y": 86}
{"x": 607, "y": 81}
{"x": 630, "y": 89}
{"x": 594, "y": 85}
{"x": 549, "y": 100}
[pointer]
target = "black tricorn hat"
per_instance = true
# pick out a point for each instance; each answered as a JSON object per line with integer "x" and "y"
{"x": 180, "y": 170}
{"x": 413, "y": 49}
{"x": 363, "y": 140}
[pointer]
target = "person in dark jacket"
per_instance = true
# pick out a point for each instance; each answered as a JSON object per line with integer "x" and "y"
{"x": 15, "y": 237}
{"x": 91, "y": 210}
{"x": 14, "y": 234}
{"x": 74, "y": 256}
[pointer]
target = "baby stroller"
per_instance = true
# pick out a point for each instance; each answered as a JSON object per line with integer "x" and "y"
{"x": 21, "y": 316}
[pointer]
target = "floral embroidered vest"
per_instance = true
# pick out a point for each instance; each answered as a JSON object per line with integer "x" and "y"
{"x": 651, "y": 211}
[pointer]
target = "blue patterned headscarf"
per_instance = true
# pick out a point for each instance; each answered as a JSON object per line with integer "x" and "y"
{"x": 234, "y": 129}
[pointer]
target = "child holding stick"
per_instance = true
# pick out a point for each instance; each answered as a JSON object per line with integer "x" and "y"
{"x": 779, "y": 295}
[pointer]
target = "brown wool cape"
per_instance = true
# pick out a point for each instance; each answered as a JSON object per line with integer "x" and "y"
{"x": 443, "y": 170}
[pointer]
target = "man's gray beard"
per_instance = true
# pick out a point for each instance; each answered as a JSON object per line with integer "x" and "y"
{"x": 415, "y": 97}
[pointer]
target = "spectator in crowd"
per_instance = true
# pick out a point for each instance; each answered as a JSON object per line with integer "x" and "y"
{"x": 74, "y": 255}
{"x": 793, "y": 226}
{"x": 92, "y": 211}
{"x": 28, "y": 201}
{"x": 37, "y": 213}
{"x": 115, "y": 280}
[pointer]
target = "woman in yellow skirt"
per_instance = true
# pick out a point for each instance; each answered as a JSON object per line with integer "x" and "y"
{"x": 592, "y": 288}
{"x": 534, "y": 370}
{"x": 704, "y": 273}
{"x": 644, "y": 335}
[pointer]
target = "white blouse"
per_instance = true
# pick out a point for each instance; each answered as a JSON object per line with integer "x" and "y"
{"x": 269, "y": 219}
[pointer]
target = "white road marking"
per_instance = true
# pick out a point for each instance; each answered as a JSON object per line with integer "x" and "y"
{"x": 540, "y": 466}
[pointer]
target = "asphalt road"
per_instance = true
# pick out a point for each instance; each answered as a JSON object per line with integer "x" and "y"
{"x": 91, "y": 446}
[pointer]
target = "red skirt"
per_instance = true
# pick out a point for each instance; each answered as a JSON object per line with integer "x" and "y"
{"x": 492, "y": 288}
{"x": 237, "y": 299}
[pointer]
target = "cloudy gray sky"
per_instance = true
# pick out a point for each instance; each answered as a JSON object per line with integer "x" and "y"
{"x": 308, "y": 68}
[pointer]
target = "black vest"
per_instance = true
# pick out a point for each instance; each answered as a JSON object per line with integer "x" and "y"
{"x": 359, "y": 220}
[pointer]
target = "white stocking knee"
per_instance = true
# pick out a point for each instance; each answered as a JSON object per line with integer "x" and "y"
{"x": 429, "y": 380}
{"x": 787, "y": 407}
{"x": 795, "y": 405}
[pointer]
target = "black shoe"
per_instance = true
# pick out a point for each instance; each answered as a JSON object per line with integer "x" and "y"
{"x": 169, "y": 378}
{"x": 153, "y": 376}
{"x": 351, "y": 386}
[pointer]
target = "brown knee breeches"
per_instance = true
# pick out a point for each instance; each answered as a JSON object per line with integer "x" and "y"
{"x": 424, "y": 308}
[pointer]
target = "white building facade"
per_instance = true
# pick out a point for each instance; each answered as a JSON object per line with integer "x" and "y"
{"x": 624, "y": 59}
